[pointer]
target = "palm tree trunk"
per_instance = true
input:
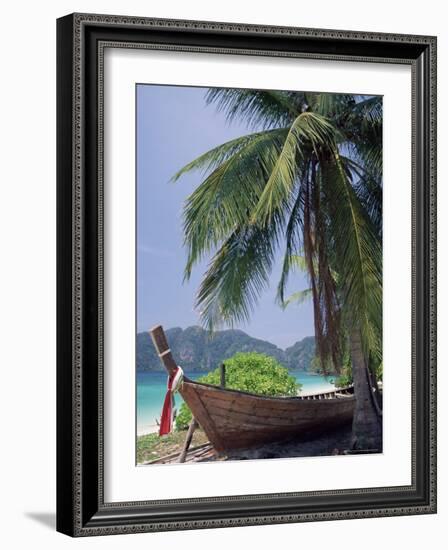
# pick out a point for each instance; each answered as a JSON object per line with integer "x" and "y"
{"x": 367, "y": 423}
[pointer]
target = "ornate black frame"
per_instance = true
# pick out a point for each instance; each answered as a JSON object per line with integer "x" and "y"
{"x": 81, "y": 39}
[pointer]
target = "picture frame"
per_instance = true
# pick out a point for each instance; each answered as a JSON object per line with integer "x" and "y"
{"x": 81, "y": 506}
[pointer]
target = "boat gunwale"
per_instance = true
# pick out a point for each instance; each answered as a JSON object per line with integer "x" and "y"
{"x": 277, "y": 397}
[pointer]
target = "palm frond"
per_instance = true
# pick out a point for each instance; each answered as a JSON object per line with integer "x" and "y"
{"x": 369, "y": 191}
{"x": 333, "y": 105}
{"x": 298, "y": 262}
{"x": 298, "y": 297}
{"x": 368, "y": 157}
{"x": 308, "y": 132}
{"x": 294, "y": 239}
{"x": 237, "y": 275}
{"x": 226, "y": 198}
{"x": 356, "y": 253}
{"x": 216, "y": 156}
{"x": 259, "y": 108}
{"x": 368, "y": 111}
{"x": 365, "y": 123}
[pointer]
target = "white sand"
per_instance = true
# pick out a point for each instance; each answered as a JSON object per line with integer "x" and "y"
{"x": 147, "y": 429}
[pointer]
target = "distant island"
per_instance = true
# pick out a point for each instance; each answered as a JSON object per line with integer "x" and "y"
{"x": 196, "y": 351}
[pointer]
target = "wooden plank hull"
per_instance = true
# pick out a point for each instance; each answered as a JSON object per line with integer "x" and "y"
{"x": 238, "y": 420}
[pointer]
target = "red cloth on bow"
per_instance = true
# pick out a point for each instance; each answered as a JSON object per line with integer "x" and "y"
{"x": 166, "y": 420}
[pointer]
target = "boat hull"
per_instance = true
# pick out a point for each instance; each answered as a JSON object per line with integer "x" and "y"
{"x": 239, "y": 420}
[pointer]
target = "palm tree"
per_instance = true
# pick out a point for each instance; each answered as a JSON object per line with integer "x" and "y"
{"x": 307, "y": 180}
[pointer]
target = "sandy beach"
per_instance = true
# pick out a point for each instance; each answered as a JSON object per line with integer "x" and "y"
{"x": 146, "y": 429}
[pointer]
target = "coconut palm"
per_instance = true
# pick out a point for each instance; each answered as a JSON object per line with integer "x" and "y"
{"x": 307, "y": 181}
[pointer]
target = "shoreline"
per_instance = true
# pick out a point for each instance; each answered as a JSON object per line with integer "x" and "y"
{"x": 147, "y": 429}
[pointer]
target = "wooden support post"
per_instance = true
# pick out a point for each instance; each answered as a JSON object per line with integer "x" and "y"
{"x": 191, "y": 428}
{"x": 222, "y": 371}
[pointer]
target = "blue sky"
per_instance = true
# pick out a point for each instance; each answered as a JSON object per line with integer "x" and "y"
{"x": 174, "y": 126}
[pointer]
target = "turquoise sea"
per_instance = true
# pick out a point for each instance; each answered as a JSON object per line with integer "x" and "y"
{"x": 151, "y": 389}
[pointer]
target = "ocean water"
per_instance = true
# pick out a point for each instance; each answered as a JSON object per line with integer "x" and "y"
{"x": 151, "y": 389}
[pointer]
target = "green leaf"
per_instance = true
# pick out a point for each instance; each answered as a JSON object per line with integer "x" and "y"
{"x": 298, "y": 297}
{"x": 227, "y": 196}
{"x": 308, "y": 132}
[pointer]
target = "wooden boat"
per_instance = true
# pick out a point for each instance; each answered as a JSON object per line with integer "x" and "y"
{"x": 235, "y": 419}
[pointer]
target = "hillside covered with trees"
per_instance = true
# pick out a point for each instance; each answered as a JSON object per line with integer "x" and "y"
{"x": 195, "y": 350}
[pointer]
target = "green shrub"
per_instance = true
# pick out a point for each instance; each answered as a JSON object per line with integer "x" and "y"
{"x": 183, "y": 417}
{"x": 346, "y": 377}
{"x": 344, "y": 380}
{"x": 252, "y": 372}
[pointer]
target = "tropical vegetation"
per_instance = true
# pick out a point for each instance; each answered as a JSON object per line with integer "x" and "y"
{"x": 306, "y": 184}
{"x": 252, "y": 372}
